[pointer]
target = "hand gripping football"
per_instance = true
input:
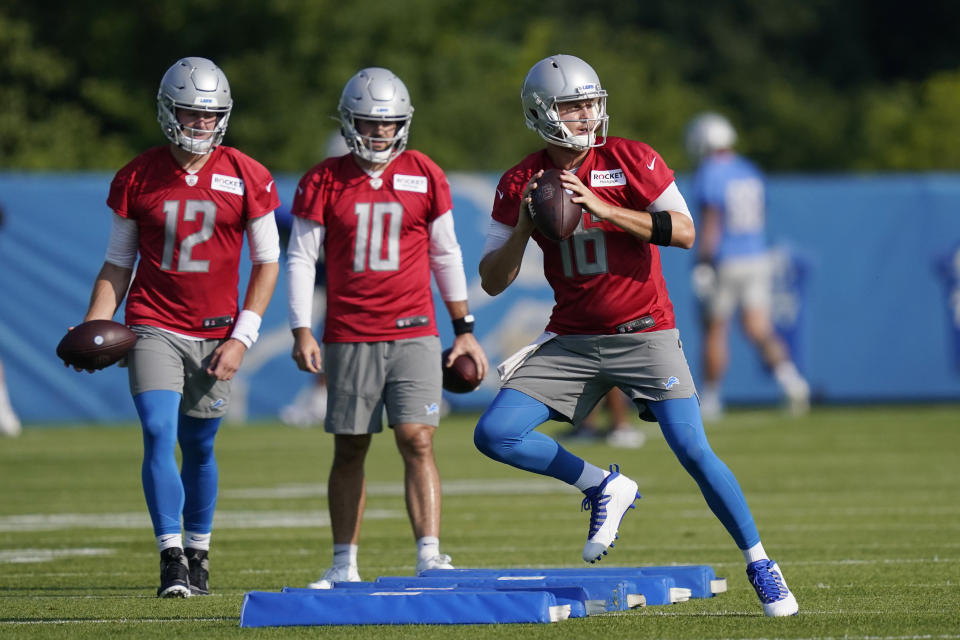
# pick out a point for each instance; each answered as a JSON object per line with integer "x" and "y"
{"x": 462, "y": 376}
{"x": 552, "y": 208}
{"x": 95, "y": 344}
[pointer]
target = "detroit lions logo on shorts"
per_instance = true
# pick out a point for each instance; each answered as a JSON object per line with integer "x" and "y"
{"x": 672, "y": 380}
{"x": 432, "y": 409}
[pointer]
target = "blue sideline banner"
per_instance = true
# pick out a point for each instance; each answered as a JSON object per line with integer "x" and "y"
{"x": 860, "y": 302}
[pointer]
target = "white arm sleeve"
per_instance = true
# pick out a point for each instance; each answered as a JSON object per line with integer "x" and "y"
{"x": 497, "y": 236}
{"x": 122, "y": 247}
{"x": 306, "y": 238}
{"x": 671, "y": 200}
{"x": 446, "y": 259}
{"x": 264, "y": 239}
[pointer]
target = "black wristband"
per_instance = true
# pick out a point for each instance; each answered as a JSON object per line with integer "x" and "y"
{"x": 662, "y": 232}
{"x": 463, "y": 325}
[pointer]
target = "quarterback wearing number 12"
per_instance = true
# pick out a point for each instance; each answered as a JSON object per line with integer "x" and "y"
{"x": 613, "y": 323}
{"x": 184, "y": 208}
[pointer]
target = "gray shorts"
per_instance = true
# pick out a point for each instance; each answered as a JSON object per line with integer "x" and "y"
{"x": 570, "y": 374}
{"x": 363, "y": 378}
{"x": 741, "y": 282}
{"x": 160, "y": 360}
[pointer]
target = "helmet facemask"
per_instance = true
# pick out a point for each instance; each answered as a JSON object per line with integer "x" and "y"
{"x": 363, "y": 146}
{"x": 561, "y": 134}
{"x": 196, "y": 141}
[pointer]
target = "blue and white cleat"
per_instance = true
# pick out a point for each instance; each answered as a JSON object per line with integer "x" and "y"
{"x": 607, "y": 503}
{"x": 767, "y": 579}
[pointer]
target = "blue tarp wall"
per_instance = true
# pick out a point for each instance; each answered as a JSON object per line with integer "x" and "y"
{"x": 876, "y": 295}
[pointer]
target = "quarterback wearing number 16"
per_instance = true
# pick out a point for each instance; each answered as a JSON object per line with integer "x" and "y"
{"x": 613, "y": 322}
{"x": 184, "y": 208}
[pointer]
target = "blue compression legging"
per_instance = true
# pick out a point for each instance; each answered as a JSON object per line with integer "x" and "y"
{"x": 506, "y": 433}
{"x": 169, "y": 493}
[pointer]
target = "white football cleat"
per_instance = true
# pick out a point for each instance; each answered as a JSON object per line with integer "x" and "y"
{"x": 607, "y": 503}
{"x": 341, "y": 573}
{"x": 439, "y": 561}
{"x": 771, "y": 588}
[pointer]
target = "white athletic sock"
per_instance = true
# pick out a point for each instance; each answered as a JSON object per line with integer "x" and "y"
{"x": 197, "y": 540}
{"x": 168, "y": 540}
{"x": 591, "y": 476}
{"x": 786, "y": 374}
{"x": 711, "y": 394}
{"x": 754, "y": 553}
{"x": 345, "y": 555}
{"x": 428, "y": 547}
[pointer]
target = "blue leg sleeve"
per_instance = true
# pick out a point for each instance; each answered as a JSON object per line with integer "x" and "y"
{"x": 158, "y": 411}
{"x": 199, "y": 472}
{"x": 506, "y": 433}
{"x": 683, "y": 429}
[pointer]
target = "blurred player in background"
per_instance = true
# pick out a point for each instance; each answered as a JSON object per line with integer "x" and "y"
{"x": 309, "y": 406}
{"x": 613, "y": 322}
{"x": 620, "y": 432}
{"x": 9, "y": 422}
{"x": 733, "y": 269}
{"x": 383, "y": 217}
{"x": 184, "y": 207}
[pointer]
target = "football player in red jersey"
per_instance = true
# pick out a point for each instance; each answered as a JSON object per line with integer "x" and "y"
{"x": 613, "y": 323}
{"x": 184, "y": 208}
{"x": 382, "y": 215}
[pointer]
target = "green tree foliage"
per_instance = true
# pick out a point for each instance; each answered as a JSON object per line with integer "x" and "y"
{"x": 813, "y": 85}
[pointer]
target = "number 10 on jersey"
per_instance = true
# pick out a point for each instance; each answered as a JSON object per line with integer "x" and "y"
{"x": 377, "y": 223}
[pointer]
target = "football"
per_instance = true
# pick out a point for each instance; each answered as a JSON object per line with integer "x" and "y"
{"x": 552, "y": 209}
{"x": 95, "y": 344}
{"x": 462, "y": 376}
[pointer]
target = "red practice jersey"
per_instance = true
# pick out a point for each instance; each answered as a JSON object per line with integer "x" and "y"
{"x": 376, "y": 244}
{"x": 191, "y": 230}
{"x": 601, "y": 276}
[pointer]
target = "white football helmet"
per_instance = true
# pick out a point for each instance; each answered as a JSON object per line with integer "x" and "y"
{"x": 375, "y": 94}
{"x": 200, "y": 85}
{"x": 563, "y": 78}
{"x": 707, "y": 133}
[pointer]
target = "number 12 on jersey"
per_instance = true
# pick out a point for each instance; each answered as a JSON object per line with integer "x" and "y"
{"x": 171, "y": 210}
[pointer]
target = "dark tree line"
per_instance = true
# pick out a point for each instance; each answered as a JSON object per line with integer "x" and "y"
{"x": 814, "y": 85}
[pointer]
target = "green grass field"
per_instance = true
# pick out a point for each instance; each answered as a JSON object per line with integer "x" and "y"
{"x": 860, "y": 506}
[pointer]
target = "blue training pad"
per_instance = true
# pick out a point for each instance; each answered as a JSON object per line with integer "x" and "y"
{"x": 354, "y": 607}
{"x": 577, "y": 599}
{"x": 699, "y": 579}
